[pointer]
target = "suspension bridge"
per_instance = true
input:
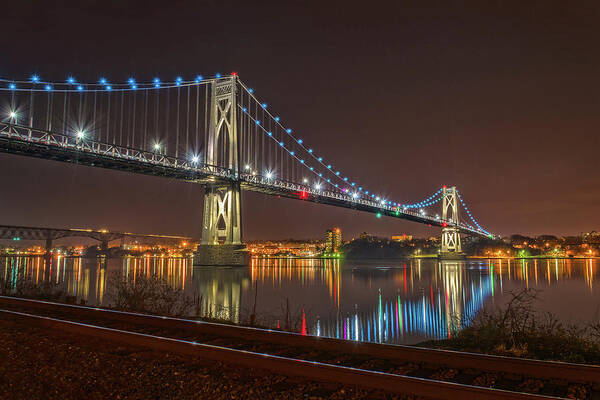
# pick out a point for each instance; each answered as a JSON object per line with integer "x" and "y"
{"x": 212, "y": 131}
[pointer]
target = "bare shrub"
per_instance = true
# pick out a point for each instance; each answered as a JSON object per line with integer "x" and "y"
{"x": 518, "y": 330}
{"x": 147, "y": 294}
{"x": 24, "y": 286}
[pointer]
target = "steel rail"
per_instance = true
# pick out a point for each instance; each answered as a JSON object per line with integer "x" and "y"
{"x": 553, "y": 370}
{"x": 281, "y": 365}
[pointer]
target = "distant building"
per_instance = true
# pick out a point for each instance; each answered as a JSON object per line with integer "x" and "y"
{"x": 402, "y": 238}
{"x": 333, "y": 240}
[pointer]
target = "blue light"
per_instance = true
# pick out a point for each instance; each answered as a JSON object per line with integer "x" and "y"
{"x": 366, "y": 192}
{"x": 79, "y": 87}
{"x": 310, "y": 150}
{"x": 328, "y": 180}
{"x": 346, "y": 179}
{"x": 244, "y": 109}
{"x": 288, "y": 130}
{"x": 352, "y": 183}
{"x": 12, "y": 86}
{"x": 329, "y": 166}
{"x": 48, "y": 87}
{"x": 217, "y": 75}
{"x": 337, "y": 173}
{"x": 320, "y": 175}
{"x": 291, "y": 153}
{"x": 178, "y": 80}
{"x": 299, "y": 141}
{"x": 269, "y": 133}
{"x": 71, "y": 80}
{"x": 311, "y": 168}
{"x": 250, "y": 90}
{"x": 198, "y": 78}
{"x": 156, "y": 80}
{"x": 281, "y": 144}
{"x": 336, "y": 185}
{"x": 108, "y": 87}
{"x": 35, "y": 78}
{"x": 264, "y": 105}
{"x": 276, "y": 119}
{"x": 320, "y": 159}
{"x": 134, "y": 86}
{"x": 103, "y": 81}
{"x": 301, "y": 161}
{"x": 131, "y": 81}
{"x": 257, "y": 122}
{"x": 157, "y": 84}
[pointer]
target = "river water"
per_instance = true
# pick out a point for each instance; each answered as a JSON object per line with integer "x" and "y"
{"x": 379, "y": 301}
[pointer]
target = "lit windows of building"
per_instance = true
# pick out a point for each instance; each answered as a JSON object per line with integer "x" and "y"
{"x": 333, "y": 240}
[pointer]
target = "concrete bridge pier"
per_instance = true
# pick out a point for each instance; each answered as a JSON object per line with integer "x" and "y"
{"x": 104, "y": 245}
{"x": 48, "y": 253}
{"x": 222, "y": 228}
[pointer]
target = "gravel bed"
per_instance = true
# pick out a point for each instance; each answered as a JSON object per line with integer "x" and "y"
{"x": 44, "y": 364}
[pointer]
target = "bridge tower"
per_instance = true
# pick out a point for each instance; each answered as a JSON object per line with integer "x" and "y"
{"x": 222, "y": 223}
{"x": 451, "y": 246}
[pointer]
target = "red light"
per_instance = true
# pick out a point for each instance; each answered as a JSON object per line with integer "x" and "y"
{"x": 303, "y": 195}
{"x": 444, "y": 186}
{"x": 234, "y": 73}
{"x": 430, "y": 225}
{"x": 444, "y": 224}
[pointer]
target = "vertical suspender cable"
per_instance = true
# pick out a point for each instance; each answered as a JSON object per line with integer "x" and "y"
{"x": 108, "y": 120}
{"x": 145, "y": 142}
{"x": 95, "y": 126}
{"x": 121, "y": 121}
{"x": 133, "y": 122}
{"x": 206, "y": 121}
{"x": 48, "y": 124}
{"x": 64, "y": 127}
{"x": 167, "y": 130}
{"x": 177, "y": 124}
{"x": 187, "y": 123}
{"x": 197, "y": 146}
{"x": 80, "y": 113}
{"x": 31, "y": 111}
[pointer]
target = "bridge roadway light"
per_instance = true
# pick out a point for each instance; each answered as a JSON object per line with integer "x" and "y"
{"x": 13, "y": 115}
{"x": 247, "y": 167}
{"x": 318, "y": 186}
{"x": 156, "y": 146}
{"x": 269, "y": 175}
{"x": 195, "y": 159}
{"x": 305, "y": 180}
{"x": 80, "y": 134}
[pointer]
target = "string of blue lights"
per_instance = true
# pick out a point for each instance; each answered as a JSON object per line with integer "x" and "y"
{"x": 470, "y": 215}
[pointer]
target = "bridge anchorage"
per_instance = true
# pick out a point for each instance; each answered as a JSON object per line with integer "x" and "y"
{"x": 209, "y": 131}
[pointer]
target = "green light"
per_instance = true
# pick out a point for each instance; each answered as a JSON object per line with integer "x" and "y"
{"x": 16, "y": 238}
{"x": 378, "y": 215}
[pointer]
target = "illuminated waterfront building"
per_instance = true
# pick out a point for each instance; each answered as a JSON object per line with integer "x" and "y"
{"x": 333, "y": 240}
{"x": 402, "y": 238}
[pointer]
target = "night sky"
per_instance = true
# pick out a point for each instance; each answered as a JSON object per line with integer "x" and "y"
{"x": 501, "y": 99}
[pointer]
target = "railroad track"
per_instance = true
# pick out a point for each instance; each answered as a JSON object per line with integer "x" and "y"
{"x": 372, "y": 366}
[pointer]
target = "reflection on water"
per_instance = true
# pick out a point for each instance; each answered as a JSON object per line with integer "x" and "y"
{"x": 386, "y": 302}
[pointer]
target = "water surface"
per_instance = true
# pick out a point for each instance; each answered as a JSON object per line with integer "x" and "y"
{"x": 379, "y": 301}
